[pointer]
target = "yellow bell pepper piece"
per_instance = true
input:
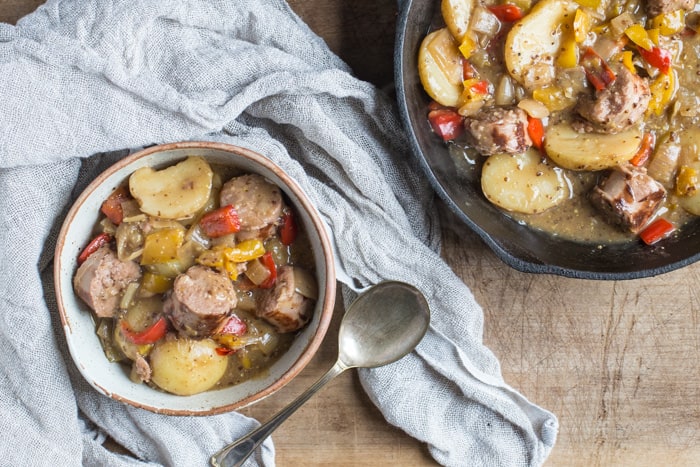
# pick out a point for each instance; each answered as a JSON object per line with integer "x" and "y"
{"x": 639, "y": 36}
{"x": 663, "y": 88}
{"x": 589, "y": 3}
{"x": 553, "y": 98}
{"x": 686, "y": 181}
{"x": 247, "y": 250}
{"x": 468, "y": 46}
{"x": 568, "y": 54}
{"x": 162, "y": 246}
{"x": 625, "y": 57}
{"x": 155, "y": 283}
{"x": 669, "y": 23}
{"x": 654, "y": 35}
{"x": 582, "y": 25}
{"x": 231, "y": 268}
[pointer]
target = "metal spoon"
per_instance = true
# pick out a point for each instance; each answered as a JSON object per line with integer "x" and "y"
{"x": 381, "y": 326}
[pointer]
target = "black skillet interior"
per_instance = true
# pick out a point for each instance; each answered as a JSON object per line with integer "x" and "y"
{"x": 522, "y": 248}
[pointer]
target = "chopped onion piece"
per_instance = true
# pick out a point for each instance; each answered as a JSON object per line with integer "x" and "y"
{"x": 533, "y": 108}
{"x": 484, "y": 22}
{"x": 108, "y": 227}
{"x": 257, "y": 272}
{"x": 129, "y": 295}
{"x": 620, "y": 23}
{"x": 131, "y": 211}
{"x": 305, "y": 283}
{"x": 664, "y": 162}
{"x": 196, "y": 236}
{"x": 505, "y": 92}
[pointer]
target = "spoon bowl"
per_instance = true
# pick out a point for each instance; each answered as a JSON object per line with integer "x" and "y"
{"x": 380, "y": 327}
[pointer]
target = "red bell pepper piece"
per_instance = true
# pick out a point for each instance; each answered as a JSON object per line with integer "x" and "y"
{"x": 480, "y": 87}
{"x": 233, "y": 325}
{"x": 644, "y": 151}
{"x": 506, "y": 13}
{"x": 220, "y": 222}
{"x": 150, "y": 335}
{"x": 446, "y": 123}
{"x": 536, "y": 131}
{"x": 223, "y": 351}
{"x": 94, "y": 245}
{"x": 658, "y": 58}
{"x": 657, "y": 230}
{"x": 288, "y": 231}
{"x": 269, "y": 263}
{"x": 112, "y": 206}
{"x": 598, "y": 72}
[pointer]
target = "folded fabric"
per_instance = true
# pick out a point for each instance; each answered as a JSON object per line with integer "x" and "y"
{"x": 82, "y": 81}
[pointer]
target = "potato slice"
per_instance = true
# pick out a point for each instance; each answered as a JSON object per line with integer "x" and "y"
{"x": 534, "y": 42}
{"x": 590, "y": 151}
{"x": 440, "y": 67}
{"x": 690, "y": 158}
{"x": 526, "y": 183}
{"x": 186, "y": 366}
{"x": 457, "y": 14}
{"x": 176, "y": 192}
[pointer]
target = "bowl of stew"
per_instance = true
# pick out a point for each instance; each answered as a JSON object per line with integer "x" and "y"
{"x": 564, "y": 133}
{"x": 193, "y": 278}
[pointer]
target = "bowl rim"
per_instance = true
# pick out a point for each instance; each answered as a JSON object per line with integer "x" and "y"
{"x": 327, "y": 254}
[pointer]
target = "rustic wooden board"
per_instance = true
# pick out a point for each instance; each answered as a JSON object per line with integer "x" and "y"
{"x": 617, "y": 361}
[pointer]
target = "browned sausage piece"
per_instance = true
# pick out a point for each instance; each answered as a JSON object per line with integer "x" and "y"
{"x": 101, "y": 280}
{"x": 616, "y": 107}
{"x": 140, "y": 369}
{"x": 257, "y": 201}
{"x": 282, "y": 306}
{"x": 199, "y": 301}
{"x": 628, "y": 198}
{"x": 497, "y": 130}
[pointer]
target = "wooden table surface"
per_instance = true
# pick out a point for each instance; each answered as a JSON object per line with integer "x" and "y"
{"x": 617, "y": 361}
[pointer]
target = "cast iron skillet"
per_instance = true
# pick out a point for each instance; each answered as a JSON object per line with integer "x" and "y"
{"x": 520, "y": 247}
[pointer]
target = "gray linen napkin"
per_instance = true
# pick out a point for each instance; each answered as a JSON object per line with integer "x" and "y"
{"x": 80, "y": 81}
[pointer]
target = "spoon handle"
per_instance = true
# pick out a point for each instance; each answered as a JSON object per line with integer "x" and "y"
{"x": 236, "y": 453}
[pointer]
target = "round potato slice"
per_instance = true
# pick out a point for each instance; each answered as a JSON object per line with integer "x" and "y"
{"x": 176, "y": 192}
{"x": 590, "y": 151}
{"x": 440, "y": 68}
{"x": 534, "y": 42}
{"x": 689, "y": 160}
{"x": 457, "y": 14}
{"x": 527, "y": 183}
{"x": 186, "y": 366}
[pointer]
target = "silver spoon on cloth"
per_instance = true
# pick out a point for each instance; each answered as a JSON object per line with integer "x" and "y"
{"x": 384, "y": 324}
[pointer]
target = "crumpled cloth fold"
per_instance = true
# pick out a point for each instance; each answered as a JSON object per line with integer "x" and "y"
{"x": 82, "y": 82}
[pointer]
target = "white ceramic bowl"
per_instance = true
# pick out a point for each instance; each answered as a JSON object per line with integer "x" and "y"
{"x": 112, "y": 379}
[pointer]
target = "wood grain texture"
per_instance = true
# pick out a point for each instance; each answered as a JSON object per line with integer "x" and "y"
{"x": 617, "y": 361}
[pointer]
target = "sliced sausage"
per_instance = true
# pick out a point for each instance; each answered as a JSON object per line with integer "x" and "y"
{"x": 200, "y": 300}
{"x": 628, "y": 198}
{"x": 140, "y": 369}
{"x": 617, "y": 107}
{"x": 282, "y": 306}
{"x": 100, "y": 281}
{"x": 656, "y": 7}
{"x": 258, "y": 202}
{"x": 496, "y": 130}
